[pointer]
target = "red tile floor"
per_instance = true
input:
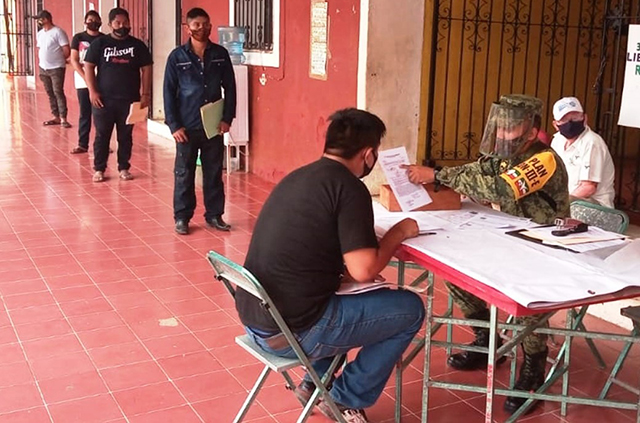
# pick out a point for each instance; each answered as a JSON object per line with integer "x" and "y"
{"x": 106, "y": 315}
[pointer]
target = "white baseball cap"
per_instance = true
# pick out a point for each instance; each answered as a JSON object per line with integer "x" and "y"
{"x": 566, "y": 105}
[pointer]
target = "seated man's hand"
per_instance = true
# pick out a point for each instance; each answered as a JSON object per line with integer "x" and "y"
{"x": 408, "y": 227}
{"x": 419, "y": 174}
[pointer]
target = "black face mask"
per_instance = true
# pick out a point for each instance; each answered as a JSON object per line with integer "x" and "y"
{"x": 571, "y": 129}
{"x": 122, "y": 32}
{"x": 367, "y": 169}
{"x": 94, "y": 26}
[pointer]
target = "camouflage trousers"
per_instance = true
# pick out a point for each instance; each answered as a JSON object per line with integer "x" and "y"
{"x": 472, "y": 305}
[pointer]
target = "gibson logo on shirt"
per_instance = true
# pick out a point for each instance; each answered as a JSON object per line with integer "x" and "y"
{"x": 110, "y": 52}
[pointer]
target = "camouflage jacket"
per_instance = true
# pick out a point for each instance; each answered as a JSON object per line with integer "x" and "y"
{"x": 532, "y": 185}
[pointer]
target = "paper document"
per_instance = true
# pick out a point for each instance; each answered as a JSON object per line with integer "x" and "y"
{"x": 594, "y": 234}
{"x": 479, "y": 220}
{"x": 353, "y": 288}
{"x": 136, "y": 113}
{"x": 427, "y": 223}
{"x": 410, "y": 196}
{"x": 211, "y": 115}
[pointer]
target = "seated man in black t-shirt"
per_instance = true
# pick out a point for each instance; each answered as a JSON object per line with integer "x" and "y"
{"x": 315, "y": 231}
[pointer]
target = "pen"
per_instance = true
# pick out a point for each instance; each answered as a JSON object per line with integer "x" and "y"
{"x": 426, "y": 233}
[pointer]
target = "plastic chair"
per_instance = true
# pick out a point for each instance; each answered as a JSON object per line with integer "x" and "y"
{"x": 233, "y": 275}
{"x": 632, "y": 313}
{"x": 603, "y": 217}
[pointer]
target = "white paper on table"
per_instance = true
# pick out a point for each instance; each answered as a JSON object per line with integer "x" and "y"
{"x": 426, "y": 223}
{"x": 353, "y": 288}
{"x": 479, "y": 220}
{"x": 410, "y": 196}
{"x": 137, "y": 114}
{"x": 593, "y": 234}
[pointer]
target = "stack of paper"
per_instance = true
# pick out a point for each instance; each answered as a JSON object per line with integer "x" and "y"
{"x": 353, "y": 288}
{"x": 594, "y": 238}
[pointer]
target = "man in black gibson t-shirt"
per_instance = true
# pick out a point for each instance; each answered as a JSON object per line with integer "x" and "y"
{"x": 120, "y": 59}
{"x": 315, "y": 231}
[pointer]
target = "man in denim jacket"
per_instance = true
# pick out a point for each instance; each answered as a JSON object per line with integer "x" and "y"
{"x": 195, "y": 74}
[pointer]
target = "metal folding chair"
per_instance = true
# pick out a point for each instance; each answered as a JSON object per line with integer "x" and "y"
{"x": 233, "y": 275}
{"x": 632, "y": 313}
{"x": 604, "y": 218}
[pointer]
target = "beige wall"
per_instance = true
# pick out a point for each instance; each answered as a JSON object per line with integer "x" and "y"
{"x": 393, "y": 73}
{"x": 164, "y": 40}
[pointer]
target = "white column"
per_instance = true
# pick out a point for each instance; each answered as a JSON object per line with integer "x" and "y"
{"x": 163, "y": 38}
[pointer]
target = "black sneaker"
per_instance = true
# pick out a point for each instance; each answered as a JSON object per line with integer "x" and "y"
{"x": 182, "y": 227}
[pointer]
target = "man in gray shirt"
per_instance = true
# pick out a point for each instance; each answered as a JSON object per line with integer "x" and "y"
{"x": 53, "y": 52}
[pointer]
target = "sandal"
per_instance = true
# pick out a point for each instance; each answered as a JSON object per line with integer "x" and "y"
{"x": 125, "y": 175}
{"x": 51, "y": 122}
{"x": 98, "y": 176}
{"x": 66, "y": 124}
{"x": 79, "y": 150}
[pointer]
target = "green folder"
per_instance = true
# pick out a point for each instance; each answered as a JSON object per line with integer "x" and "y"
{"x": 211, "y": 114}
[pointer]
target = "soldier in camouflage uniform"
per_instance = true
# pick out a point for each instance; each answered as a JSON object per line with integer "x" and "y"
{"x": 518, "y": 175}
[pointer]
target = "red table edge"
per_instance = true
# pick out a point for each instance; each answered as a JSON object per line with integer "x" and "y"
{"x": 492, "y": 295}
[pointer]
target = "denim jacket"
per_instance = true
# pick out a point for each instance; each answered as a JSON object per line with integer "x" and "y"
{"x": 188, "y": 85}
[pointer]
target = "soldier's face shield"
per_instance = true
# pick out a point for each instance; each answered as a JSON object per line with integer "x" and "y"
{"x": 506, "y": 131}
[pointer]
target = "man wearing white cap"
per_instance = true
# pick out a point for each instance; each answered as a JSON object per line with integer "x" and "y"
{"x": 585, "y": 154}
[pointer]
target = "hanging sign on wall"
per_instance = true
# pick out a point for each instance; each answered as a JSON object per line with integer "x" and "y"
{"x": 630, "y": 106}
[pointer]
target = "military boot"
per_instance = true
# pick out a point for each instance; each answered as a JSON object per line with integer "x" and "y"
{"x": 472, "y": 360}
{"x": 532, "y": 375}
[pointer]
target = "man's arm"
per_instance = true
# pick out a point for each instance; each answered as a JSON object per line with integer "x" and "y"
{"x": 230, "y": 95}
{"x": 170, "y": 89}
{"x": 145, "y": 97}
{"x": 366, "y": 263}
{"x": 75, "y": 62}
{"x": 92, "y": 84}
{"x": 471, "y": 180}
{"x": 585, "y": 189}
{"x": 63, "y": 41}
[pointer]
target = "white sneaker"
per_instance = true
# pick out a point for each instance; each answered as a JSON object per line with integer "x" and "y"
{"x": 98, "y": 176}
{"x": 350, "y": 415}
{"x": 354, "y": 416}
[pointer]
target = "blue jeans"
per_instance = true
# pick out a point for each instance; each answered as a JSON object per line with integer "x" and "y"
{"x": 382, "y": 322}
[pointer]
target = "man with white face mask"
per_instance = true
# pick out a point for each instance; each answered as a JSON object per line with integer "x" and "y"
{"x": 585, "y": 154}
{"x": 195, "y": 75}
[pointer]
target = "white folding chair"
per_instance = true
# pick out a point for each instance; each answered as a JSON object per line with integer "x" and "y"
{"x": 233, "y": 275}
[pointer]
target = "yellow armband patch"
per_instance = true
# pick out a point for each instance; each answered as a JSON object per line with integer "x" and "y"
{"x": 531, "y": 175}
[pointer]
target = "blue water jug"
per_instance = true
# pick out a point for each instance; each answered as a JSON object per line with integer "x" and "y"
{"x": 232, "y": 38}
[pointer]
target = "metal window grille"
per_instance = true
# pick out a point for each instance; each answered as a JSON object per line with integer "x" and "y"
{"x": 140, "y": 18}
{"x": 548, "y": 48}
{"x": 257, "y": 17}
{"x": 16, "y": 37}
